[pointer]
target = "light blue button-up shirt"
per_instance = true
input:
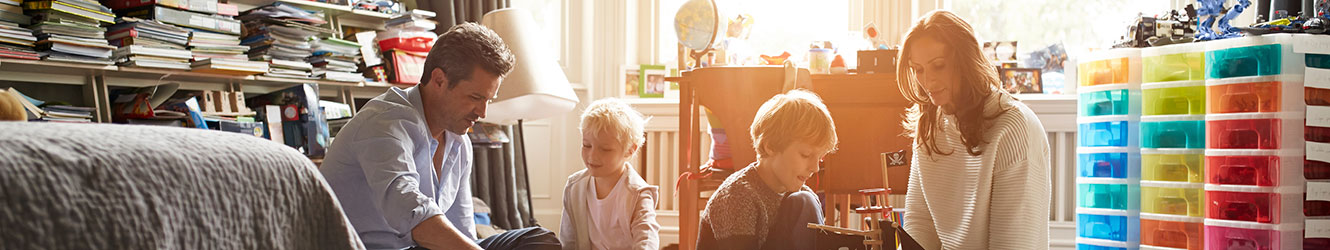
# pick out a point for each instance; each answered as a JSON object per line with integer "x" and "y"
{"x": 381, "y": 167}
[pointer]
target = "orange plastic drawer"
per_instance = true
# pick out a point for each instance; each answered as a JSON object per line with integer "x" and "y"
{"x": 1254, "y": 94}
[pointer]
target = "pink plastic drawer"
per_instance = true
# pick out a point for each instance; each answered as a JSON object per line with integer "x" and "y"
{"x": 1225, "y": 235}
{"x": 1253, "y": 204}
{"x": 1253, "y": 167}
{"x": 1254, "y": 131}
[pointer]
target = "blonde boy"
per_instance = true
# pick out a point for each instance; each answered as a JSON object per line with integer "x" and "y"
{"x": 766, "y": 205}
{"x": 607, "y": 205}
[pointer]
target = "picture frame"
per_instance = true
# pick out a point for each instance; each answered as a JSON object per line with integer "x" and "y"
{"x": 651, "y": 81}
{"x": 1021, "y": 80}
{"x": 630, "y": 78}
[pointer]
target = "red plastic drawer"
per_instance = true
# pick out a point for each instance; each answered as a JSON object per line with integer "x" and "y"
{"x": 1264, "y": 205}
{"x": 1253, "y": 167}
{"x": 1317, "y": 134}
{"x": 1316, "y": 170}
{"x": 1317, "y": 96}
{"x": 1254, "y": 131}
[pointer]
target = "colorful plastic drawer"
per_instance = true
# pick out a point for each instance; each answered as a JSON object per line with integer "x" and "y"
{"x": 1177, "y": 62}
{"x": 1110, "y": 67}
{"x": 1177, "y": 165}
{"x": 1106, "y": 224}
{"x": 1225, "y": 235}
{"x": 1254, "y": 131}
{"x": 1172, "y": 231}
{"x": 1316, "y": 243}
{"x": 1317, "y": 134}
{"x": 1107, "y": 131}
{"x": 1316, "y": 96}
{"x": 1100, "y": 163}
{"x": 1267, "y": 168}
{"x": 1173, "y": 98}
{"x": 1098, "y": 244}
{"x": 1254, "y": 204}
{"x": 1107, "y": 102}
{"x": 1255, "y": 94}
{"x": 1105, "y": 193}
{"x": 1318, "y": 61}
{"x": 1316, "y": 170}
{"x": 1175, "y": 198}
{"x": 1260, "y": 60}
{"x": 1316, "y": 208}
{"x": 1173, "y": 131}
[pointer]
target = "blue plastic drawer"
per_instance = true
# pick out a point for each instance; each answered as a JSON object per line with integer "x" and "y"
{"x": 1261, "y": 60}
{"x": 1107, "y": 102}
{"x": 1104, "y": 227}
{"x": 1173, "y": 134}
{"x": 1103, "y": 165}
{"x": 1095, "y": 247}
{"x": 1105, "y": 196}
{"x": 1105, "y": 134}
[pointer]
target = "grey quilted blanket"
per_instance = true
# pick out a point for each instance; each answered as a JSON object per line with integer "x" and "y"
{"x": 101, "y": 186}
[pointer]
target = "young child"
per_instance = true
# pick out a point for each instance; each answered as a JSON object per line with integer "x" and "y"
{"x": 766, "y": 205}
{"x": 607, "y": 205}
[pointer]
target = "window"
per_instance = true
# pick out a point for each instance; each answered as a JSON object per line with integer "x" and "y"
{"x": 778, "y": 25}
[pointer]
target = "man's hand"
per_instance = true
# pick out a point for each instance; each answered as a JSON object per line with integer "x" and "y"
{"x": 436, "y": 234}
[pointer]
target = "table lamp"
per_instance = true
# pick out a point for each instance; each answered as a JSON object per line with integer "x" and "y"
{"x": 537, "y": 87}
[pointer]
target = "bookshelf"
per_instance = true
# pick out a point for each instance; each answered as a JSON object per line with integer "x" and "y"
{"x": 96, "y": 79}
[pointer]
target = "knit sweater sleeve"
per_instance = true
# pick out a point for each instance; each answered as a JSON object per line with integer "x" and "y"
{"x": 1018, "y": 211}
{"x": 918, "y": 217}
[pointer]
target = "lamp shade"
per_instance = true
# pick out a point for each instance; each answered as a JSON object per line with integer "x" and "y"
{"x": 537, "y": 87}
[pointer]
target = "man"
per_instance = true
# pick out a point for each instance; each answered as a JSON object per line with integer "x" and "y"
{"x": 402, "y": 166}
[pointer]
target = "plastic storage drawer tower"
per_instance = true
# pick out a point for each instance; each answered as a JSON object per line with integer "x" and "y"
{"x": 1255, "y": 149}
{"x": 1173, "y": 147}
{"x": 1316, "y": 169}
{"x": 1109, "y": 155}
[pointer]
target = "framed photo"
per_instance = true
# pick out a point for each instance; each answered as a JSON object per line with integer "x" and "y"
{"x": 630, "y": 78}
{"x": 1021, "y": 80}
{"x": 651, "y": 81}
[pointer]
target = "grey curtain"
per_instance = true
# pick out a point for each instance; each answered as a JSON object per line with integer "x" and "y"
{"x": 453, "y": 12}
{"x": 500, "y": 179}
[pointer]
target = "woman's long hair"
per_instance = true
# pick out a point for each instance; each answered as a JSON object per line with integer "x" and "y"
{"x": 978, "y": 80}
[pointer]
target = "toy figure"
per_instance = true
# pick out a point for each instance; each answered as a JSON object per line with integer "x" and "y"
{"x": 1209, "y": 11}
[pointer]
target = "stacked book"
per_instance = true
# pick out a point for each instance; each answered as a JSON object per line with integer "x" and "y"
{"x": 133, "y": 31}
{"x": 66, "y": 113}
{"x": 152, "y": 57}
{"x": 230, "y": 66}
{"x": 335, "y": 59}
{"x": 216, "y": 45}
{"x": 70, "y": 30}
{"x": 16, "y": 42}
{"x": 12, "y": 11}
{"x": 280, "y": 34}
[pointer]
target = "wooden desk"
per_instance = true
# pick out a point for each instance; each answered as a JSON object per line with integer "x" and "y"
{"x": 868, "y": 110}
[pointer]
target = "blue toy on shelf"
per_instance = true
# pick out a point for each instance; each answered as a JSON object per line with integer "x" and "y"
{"x": 1209, "y": 15}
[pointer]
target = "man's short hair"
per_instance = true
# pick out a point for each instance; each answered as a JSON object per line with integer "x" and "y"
{"x": 464, "y": 47}
{"x": 795, "y": 116}
{"x": 610, "y": 114}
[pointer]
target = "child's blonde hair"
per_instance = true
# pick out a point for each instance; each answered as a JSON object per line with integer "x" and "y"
{"x": 797, "y": 115}
{"x": 612, "y": 115}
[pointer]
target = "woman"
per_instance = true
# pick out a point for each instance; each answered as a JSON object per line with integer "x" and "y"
{"x": 979, "y": 174}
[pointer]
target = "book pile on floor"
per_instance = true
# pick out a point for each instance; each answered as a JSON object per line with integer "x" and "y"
{"x": 335, "y": 59}
{"x": 70, "y": 30}
{"x": 148, "y": 43}
{"x": 16, "y": 42}
{"x": 280, "y": 34}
